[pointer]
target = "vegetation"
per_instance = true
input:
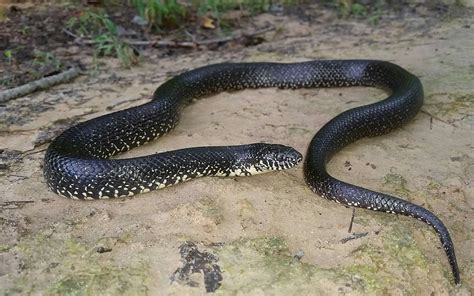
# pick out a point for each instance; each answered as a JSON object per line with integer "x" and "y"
{"x": 160, "y": 13}
{"x": 44, "y": 62}
{"x": 368, "y": 10}
{"x": 215, "y": 7}
{"x": 167, "y": 13}
{"x": 9, "y": 56}
{"x": 98, "y": 28}
{"x": 105, "y": 36}
{"x": 46, "y": 59}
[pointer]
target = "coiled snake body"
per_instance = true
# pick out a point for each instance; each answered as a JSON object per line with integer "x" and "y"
{"x": 76, "y": 164}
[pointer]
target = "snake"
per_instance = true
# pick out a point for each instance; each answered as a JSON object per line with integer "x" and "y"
{"x": 77, "y": 163}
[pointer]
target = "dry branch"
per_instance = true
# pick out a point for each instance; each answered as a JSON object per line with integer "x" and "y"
{"x": 168, "y": 43}
{"x": 39, "y": 84}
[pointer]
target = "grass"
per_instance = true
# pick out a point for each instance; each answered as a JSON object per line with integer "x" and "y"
{"x": 9, "y": 56}
{"x": 370, "y": 11}
{"x": 43, "y": 62}
{"x": 44, "y": 58}
{"x": 217, "y": 7}
{"x": 160, "y": 13}
{"x": 98, "y": 26}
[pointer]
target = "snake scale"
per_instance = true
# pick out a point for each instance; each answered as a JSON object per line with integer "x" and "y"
{"x": 76, "y": 163}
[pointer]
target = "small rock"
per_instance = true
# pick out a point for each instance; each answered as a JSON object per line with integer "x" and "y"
{"x": 139, "y": 21}
{"x": 276, "y": 8}
{"x": 299, "y": 254}
{"x": 102, "y": 249}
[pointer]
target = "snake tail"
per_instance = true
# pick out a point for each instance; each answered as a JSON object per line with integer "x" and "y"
{"x": 368, "y": 121}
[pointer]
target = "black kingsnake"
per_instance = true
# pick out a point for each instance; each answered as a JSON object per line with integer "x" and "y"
{"x": 76, "y": 163}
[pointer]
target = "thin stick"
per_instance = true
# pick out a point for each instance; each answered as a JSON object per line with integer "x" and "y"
{"x": 354, "y": 236}
{"x": 80, "y": 40}
{"x": 31, "y": 151}
{"x": 164, "y": 43}
{"x": 39, "y": 84}
{"x": 236, "y": 36}
{"x": 167, "y": 43}
{"x": 15, "y": 202}
{"x": 437, "y": 118}
{"x": 352, "y": 220}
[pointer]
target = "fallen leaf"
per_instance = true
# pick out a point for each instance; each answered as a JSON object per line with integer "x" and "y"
{"x": 207, "y": 23}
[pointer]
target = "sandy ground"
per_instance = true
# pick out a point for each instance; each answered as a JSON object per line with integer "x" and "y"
{"x": 266, "y": 234}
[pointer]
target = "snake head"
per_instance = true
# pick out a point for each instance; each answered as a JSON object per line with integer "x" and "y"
{"x": 273, "y": 157}
{"x": 259, "y": 158}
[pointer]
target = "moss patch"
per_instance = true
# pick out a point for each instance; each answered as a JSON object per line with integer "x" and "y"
{"x": 399, "y": 243}
{"x": 265, "y": 264}
{"x": 4, "y": 248}
{"x": 397, "y": 183}
{"x": 65, "y": 266}
{"x": 397, "y": 264}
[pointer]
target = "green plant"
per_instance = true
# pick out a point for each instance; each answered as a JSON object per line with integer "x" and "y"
{"x": 103, "y": 31}
{"x": 358, "y": 9}
{"x": 352, "y": 8}
{"x": 292, "y": 2}
{"x": 9, "y": 56}
{"x": 110, "y": 45}
{"x": 46, "y": 59}
{"x": 344, "y": 7}
{"x": 217, "y": 7}
{"x": 91, "y": 23}
{"x": 24, "y": 30}
{"x": 44, "y": 62}
{"x": 258, "y": 6}
{"x": 374, "y": 18}
{"x": 160, "y": 13}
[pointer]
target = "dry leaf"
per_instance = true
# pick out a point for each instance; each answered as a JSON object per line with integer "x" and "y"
{"x": 207, "y": 23}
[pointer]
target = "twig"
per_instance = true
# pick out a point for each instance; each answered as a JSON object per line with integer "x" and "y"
{"x": 32, "y": 151}
{"x": 168, "y": 43}
{"x": 353, "y": 236}
{"x": 437, "y": 118}
{"x": 80, "y": 40}
{"x": 15, "y": 204}
{"x": 352, "y": 220}
{"x": 71, "y": 34}
{"x": 108, "y": 108}
{"x": 236, "y": 36}
{"x": 39, "y": 84}
{"x": 164, "y": 43}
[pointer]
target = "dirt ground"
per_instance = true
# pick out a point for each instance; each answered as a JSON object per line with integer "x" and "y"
{"x": 266, "y": 234}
